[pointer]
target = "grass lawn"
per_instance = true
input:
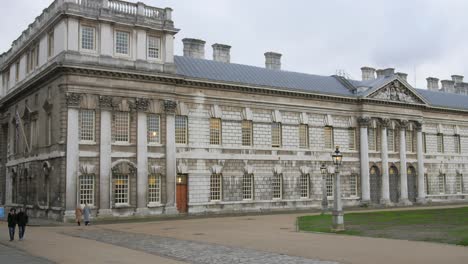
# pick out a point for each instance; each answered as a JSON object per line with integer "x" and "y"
{"x": 435, "y": 225}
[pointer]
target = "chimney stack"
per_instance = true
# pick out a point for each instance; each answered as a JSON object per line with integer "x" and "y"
{"x": 402, "y": 75}
{"x": 383, "y": 73}
{"x": 380, "y": 73}
{"x": 448, "y": 86}
{"x": 194, "y": 48}
{"x": 457, "y": 78}
{"x": 221, "y": 53}
{"x": 368, "y": 73}
{"x": 273, "y": 60}
{"x": 432, "y": 84}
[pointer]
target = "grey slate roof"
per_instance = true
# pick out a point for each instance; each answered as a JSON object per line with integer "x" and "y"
{"x": 233, "y": 73}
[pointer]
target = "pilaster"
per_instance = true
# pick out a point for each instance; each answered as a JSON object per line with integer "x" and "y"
{"x": 364, "y": 148}
{"x": 105, "y": 160}
{"x": 385, "y": 198}
{"x": 421, "y": 198}
{"x": 170, "y": 109}
{"x": 403, "y": 167}
{"x": 141, "y": 106}
{"x": 72, "y": 160}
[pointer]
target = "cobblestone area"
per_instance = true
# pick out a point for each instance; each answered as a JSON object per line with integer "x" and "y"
{"x": 189, "y": 251}
{"x": 12, "y": 255}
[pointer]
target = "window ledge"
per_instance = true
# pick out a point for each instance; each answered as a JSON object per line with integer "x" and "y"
{"x": 155, "y": 145}
{"x": 154, "y": 205}
{"x": 87, "y": 142}
{"x": 122, "y": 205}
{"x": 121, "y": 144}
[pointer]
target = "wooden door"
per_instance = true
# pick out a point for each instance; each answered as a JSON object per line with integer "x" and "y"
{"x": 182, "y": 193}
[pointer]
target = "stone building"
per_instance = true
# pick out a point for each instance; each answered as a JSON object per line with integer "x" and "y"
{"x": 96, "y": 108}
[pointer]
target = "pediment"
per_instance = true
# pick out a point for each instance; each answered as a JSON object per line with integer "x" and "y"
{"x": 397, "y": 91}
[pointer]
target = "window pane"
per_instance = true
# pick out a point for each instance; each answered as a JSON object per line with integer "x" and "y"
{"x": 121, "y": 127}
{"x": 153, "y": 123}
{"x": 391, "y": 139}
{"x": 328, "y": 137}
{"x": 154, "y": 188}
{"x": 121, "y": 42}
{"x": 215, "y": 187}
{"x": 372, "y": 139}
{"x": 303, "y": 136}
{"x": 121, "y": 189}
{"x": 87, "y": 123}
{"x": 181, "y": 129}
{"x": 246, "y": 133}
{"x": 329, "y": 184}
{"x": 440, "y": 143}
{"x": 409, "y": 141}
{"x": 215, "y": 131}
{"x": 87, "y": 189}
{"x": 352, "y": 139}
{"x": 247, "y": 186}
{"x": 353, "y": 185}
{"x": 87, "y": 37}
{"x": 276, "y": 134}
{"x": 304, "y": 184}
{"x": 154, "y": 44}
{"x": 457, "y": 144}
{"x": 277, "y": 186}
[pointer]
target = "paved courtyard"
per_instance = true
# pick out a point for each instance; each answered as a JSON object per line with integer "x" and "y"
{"x": 242, "y": 239}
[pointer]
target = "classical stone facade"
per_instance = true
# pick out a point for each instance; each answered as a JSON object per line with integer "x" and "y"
{"x": 95, "y": 108}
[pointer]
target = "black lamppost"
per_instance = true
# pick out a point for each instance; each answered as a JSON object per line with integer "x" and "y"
{"x": 338, "y": 216}
{"x": 324, "y": 171}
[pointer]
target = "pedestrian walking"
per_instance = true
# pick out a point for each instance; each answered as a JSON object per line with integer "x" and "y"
{"x": 22, "y": 221}
{"x": 12, "y": 223}
{"x": 78, "y": 214}
{"x": 86, "y": 214}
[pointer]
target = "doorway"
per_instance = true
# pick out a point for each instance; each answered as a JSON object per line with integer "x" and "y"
{"x": 182, "y": 193}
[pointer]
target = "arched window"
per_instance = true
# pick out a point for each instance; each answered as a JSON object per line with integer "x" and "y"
{"x": 86, "y": 189}
{"x": 277, "y": 186}
{"x": 154, "y": 188}
{"x": 304, "y": 182}
{"x": 247, "y": 186}
{"x": 216, "y": 187}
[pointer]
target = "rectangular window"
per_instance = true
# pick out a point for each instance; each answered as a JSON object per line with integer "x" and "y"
{"x": 459, "y": 183}
{"x": 424, "y": 142}
{"x": 215, "y": 131}
{"x": 353, "y": 184}
{"x": 121, "y": 127}
{"x": 49, "y": 129}
{"x": 277, "y": 186}
{"x": 181, "y": 129}
{"x": 50, "y": 44}
{"x": 216, "y": 187}
{"x": 457, "y": 144}
{"x": 409, "y": 141}
{"x": 247, "y": 186}
{"x": 33, "y": 136}
{"x": 121, "y": 190}
{"x": 6, "y": 80}
{"x": 247, "y": 133}
{"x": 154, "y": 188}
{"x": 17, "y": 71}
{"x": 442, "y": 182}
{"x": 372, "y": 138}
{"x": 352, "y": 138}
{"x": 276, "y": 135}
{"x": 304, "y": 181}
{"x": 88, "y": 38}
{"x": 391, "y": 140}
{"x": 440, "y": 143}
{"x": 330, "y": 182}
{"x": 303, "y": 136}
{"x": 426, "y": 183}
{"x": 154, "y": 47}
{"x": 87, "y": 189}
{"x": 153, "y": 122}
{"x": 122, "y": 41}
{"x": 328, "y": 137}
{"x": 87, "y": 125}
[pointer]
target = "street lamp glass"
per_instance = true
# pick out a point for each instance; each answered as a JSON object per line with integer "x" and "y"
{"x": 337, "y": 156}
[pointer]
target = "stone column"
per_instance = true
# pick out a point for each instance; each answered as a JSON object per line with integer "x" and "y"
{"x": 73, "y": 154}
{"x": 385, "y": 198}
{"x": 170, "y": 108}
{"x": 419, "y": 146}
{"x": 142, "y": 155}
{"x": 365, "y": 184}
{"x": 403, "y": 170}
{"x": 105, "y": 159}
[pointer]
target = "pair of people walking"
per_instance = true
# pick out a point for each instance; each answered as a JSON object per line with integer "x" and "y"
{"x": 80, "y": 213}
{"x": 21, "y": 219}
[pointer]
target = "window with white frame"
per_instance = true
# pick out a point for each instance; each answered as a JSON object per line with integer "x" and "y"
{"x": 372, "y": 138}
{"x": 181, "y": 129}
{"x": 247, "y": 133}
{"x": 88, "y": 37}
{"x": 216, "y": 183}
{"x": 391, "y": 140}
{"x": 304, "y": 136}
{"x": 352, "y": 138}
{"x": 153, "y": 126}
{"x": 122, "y": 42}
{"x": 247, "y": 186}
{"x": 154, "y": 47}
{"x": 459, "y": 183}
{"x": 121, "y": 188}
{"x": 328, "y": 137}
{"x": 121, "y": 127}
{"x": 329, "y": 183}
{"x": 440, "y": 143}
{"x": 154, "y": 188}
{"x": 276, "y": 134}
{"x": 87, "y": 125}
{"x": 353, "y": 184}
{"x": 215, "y": 131}
{"x": 304, "y": 182}
{"x": 442, "y": 183}
{"x": 409, "y": 141}
{"x": 457, "y": 144}
{"x": 277, "y": 185}
{"x": 50, "y": 44}
{"x": 87, "y": 189}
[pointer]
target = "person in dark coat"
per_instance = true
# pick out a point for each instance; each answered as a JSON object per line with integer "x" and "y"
{"x": 12, "y": 223}
{"x": 22, "y": 219}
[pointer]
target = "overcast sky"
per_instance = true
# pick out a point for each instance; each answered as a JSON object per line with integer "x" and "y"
{"x": 319, "y": 37}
